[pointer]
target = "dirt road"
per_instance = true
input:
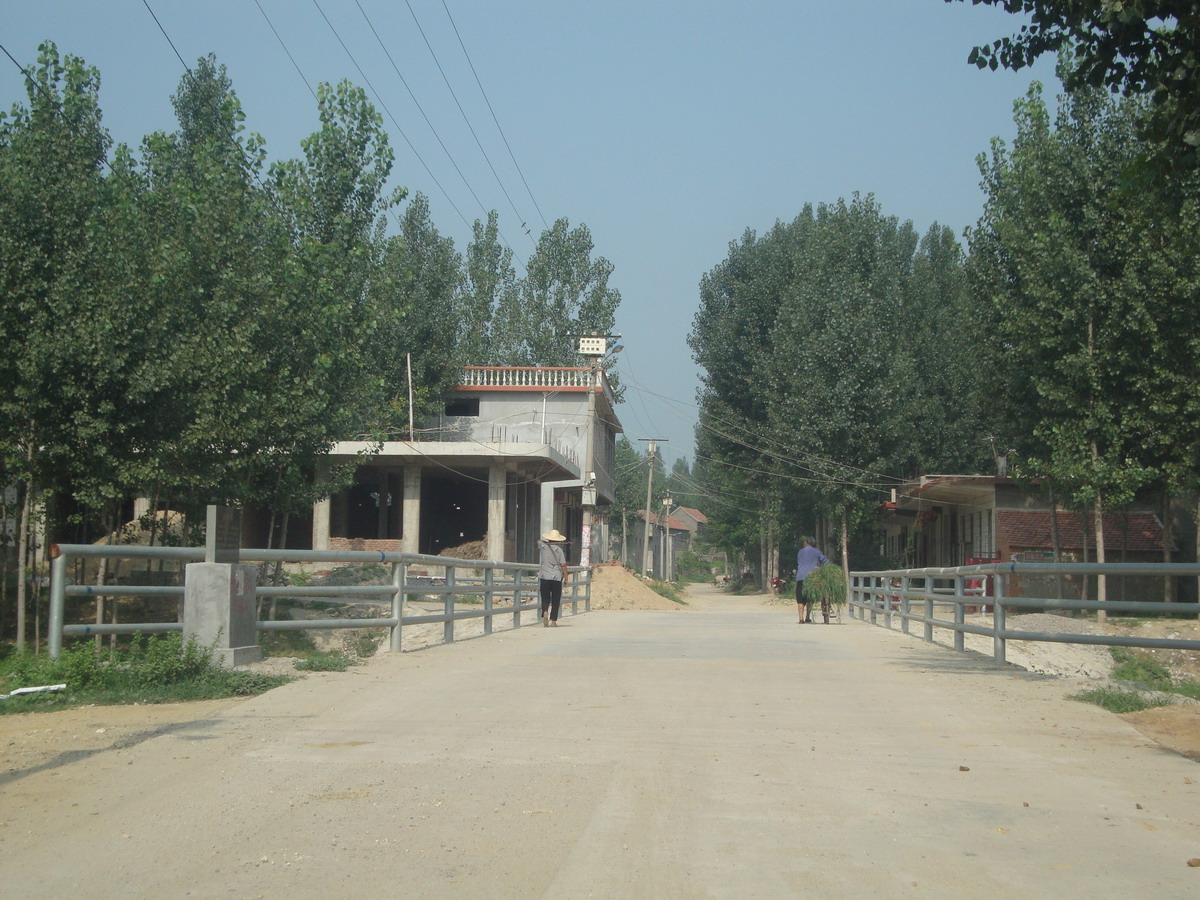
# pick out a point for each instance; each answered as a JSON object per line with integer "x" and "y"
{"x": 721, "y": 752}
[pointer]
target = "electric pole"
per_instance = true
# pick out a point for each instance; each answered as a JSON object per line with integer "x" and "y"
{"x": 648, "y": 516}
{"x": 595, "y": 349}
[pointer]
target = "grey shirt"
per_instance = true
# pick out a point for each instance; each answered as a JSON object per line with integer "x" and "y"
{"x": 550, "y": 561}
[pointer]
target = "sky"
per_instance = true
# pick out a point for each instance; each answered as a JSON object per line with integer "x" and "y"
{"x": 668, "y": 127}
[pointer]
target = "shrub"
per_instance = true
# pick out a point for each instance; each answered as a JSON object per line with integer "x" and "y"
{"x": 154, "y": 669}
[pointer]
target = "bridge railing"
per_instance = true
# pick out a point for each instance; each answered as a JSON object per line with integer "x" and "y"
{"x": 504, "y": 588}
{"x": 926, "y": 596}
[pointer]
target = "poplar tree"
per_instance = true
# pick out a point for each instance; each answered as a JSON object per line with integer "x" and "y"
{"x": 52, "y": 153}
{"x": 1074, "y": 324}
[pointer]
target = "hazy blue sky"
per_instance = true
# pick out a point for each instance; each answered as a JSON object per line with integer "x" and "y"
{"x": 669, "y": 128}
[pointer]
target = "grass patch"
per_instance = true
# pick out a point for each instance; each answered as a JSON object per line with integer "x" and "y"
{"x": 331, "y": 661}
{"x": 286, "y": 643}
{"x": 1142, "y": 669}
{"x": 668, "y": 590}
{"x": 1116, "y": 700}
{"x": 153, "y": 669}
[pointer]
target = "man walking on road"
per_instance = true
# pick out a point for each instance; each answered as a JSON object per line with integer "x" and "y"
{"x": 808, "y": 558}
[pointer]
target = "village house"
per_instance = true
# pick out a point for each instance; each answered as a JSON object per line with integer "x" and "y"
{"x": 955, "y": 520}
{"x": 502, "y": 464}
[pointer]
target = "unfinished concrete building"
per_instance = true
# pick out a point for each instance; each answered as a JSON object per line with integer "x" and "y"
{"x": 503, "y": 464}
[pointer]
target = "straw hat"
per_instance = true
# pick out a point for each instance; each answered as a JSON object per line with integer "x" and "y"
{"x": 554, "y": 537}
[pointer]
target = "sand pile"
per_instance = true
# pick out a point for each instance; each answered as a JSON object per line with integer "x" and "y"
{"x": 615, "y": 587}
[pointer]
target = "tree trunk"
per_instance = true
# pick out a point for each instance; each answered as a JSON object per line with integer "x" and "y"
{"x": 1170, "y": 594}
{"x": 845, "y": 546}
{"x": 22, "y": 550}
{"x": 4, "y": 530}
{"x": 110, "y": 520}
{"x": 1101, "y": 580}
{"x": 1055, "y": 543}
{"x": 1083, "y": 531}
{"x": 283, "y": 528}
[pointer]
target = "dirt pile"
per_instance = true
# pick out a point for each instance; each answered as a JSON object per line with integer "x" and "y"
{"x": 615, "y": 587}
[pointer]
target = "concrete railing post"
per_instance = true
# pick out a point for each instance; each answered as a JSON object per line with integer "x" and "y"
{"x": 489, "y": 581}
{"x": 218, "y": 610}
{"x": 960, "y": 608}
{"x": 400, "y": 583}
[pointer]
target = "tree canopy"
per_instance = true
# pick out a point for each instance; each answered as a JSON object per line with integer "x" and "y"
{"x": 1138, "y": 47}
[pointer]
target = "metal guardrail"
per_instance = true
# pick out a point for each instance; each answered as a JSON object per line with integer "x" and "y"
{"x": 514, "y": 585}
{"x": 892, "y": 594}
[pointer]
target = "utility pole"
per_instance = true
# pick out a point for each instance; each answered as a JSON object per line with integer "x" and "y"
{"x": 651, "y": 451}
{"x": 668, "y": 549}
{"x": 595, "y": 349}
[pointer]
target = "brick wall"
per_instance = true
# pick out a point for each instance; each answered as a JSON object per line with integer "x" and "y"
{"x": 387, "y": 546}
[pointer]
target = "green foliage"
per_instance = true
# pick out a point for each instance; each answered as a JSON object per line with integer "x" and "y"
{"x": 154, "y": 669}
{"x": 196, "y": 325}
{"x": 1145, "y": 48}
{"x": 286, "y": 643}
{"x": 668, "y": 590}
{"x": 846, "y": 316}
{"x": 690, "y": 568}
{"x": 1083, "y": 268}
{"x": 565, "y": 292}
{"x": 1140, "y": 668}
{"x": 1116, "y": 701}
{"x": 331, "y": 661}
{"x": 825, "y": 584}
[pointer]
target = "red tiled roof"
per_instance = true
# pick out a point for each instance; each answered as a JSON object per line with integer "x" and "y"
{"x": 695, "y": 514}
{"x": 673, "y": 523}
{"x": 1030, "y": 530}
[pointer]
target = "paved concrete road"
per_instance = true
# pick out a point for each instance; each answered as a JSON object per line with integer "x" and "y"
{"x": 719, "y": 752}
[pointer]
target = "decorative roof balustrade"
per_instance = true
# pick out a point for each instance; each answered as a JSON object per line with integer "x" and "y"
{"x": 531, "y": 378}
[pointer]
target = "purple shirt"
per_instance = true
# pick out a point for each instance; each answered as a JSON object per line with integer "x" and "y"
{"x": 807, "y": 559}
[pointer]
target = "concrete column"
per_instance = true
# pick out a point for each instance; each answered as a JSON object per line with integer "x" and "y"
{"x": 381, "y": 518}
{"x": 321, "y": 514}
{"x": 497, "y": 500}
{"x": 322, "y": 510}
{"x": 218, "y": 610}
{"x": 412, "y": 510}
{"x": 141, "y": 506}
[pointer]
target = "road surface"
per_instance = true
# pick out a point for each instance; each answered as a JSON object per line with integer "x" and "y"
{"x": 723, "y": 751}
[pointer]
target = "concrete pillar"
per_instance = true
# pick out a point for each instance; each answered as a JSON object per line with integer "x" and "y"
{"x": 218, "y": 610}
{"x": 411, "y": 539}
{"x": 321, "y": 514}
{"x": 141, "y": 506}
{"x": 381, "y": 517}
{"x": 497, "y": 500}
{"x": 322, "y": 510}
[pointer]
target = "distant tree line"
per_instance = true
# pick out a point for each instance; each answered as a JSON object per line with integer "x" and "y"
{"x": 188, "y": 322}
{"x": 842, "y": 353}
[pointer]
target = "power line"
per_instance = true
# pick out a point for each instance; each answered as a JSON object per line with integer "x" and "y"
{"x": 470, "y": 128}
{"x": 420, "y": 109}
{"x": 428, "y": 171}
{"x": 494, "y": 118}
{"x": 295, "y": 65}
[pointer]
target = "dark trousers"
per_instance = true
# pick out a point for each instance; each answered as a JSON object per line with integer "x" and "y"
{"x": 551, "y": 594}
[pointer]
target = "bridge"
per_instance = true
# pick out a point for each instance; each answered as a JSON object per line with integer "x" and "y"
{"x": 720, "y": 751}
